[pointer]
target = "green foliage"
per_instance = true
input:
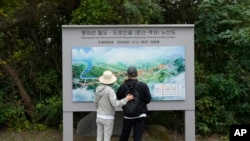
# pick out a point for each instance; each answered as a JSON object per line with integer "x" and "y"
{"x": 143, "y": 12}
{"x": 46, "y": 82}
{"x": 93, "y": 12}
{"x": 215, "y": 94}
{"x": 124, "y": 12}
{"x": 13, "y": 115}
{"x": 222, "y": 67}
{"x": 25, "y": 28}
{"x": 49, "y": 111}
{"x": 6, "y": 7}
{"x": 211, "y": 115}
{"x": 179, "y": 11}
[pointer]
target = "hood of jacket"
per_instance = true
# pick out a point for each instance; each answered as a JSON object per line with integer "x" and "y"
{"x": 131, "y": 83}
{"x": 101, "y": 90}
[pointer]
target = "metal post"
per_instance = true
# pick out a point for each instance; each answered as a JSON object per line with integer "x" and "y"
{"x": 190, "y": 125}
{"x": 68, "y": 126}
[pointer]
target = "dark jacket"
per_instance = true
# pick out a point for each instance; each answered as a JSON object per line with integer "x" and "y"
{"x": 142, "y": 88}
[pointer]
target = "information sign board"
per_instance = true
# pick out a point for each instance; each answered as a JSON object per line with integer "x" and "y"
{"x": 163, "y": 55}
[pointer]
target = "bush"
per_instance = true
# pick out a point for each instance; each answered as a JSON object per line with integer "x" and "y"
{"x": 12, "y": 116}
{"x": 49, "y": 112}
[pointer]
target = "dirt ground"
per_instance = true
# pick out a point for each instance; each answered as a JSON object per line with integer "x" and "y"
{"x": 146, "y": 137}
{"x": 55, "y": 135}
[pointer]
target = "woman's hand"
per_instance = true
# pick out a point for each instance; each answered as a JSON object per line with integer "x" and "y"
{"x": 129, "y": 97}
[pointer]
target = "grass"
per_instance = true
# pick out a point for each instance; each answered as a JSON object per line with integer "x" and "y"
{"x": 47, "y": 135}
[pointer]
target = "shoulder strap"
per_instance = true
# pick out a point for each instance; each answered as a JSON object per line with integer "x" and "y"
{"x": 126, "y": 86}
{"x": 136, "y": 84}
{"x": 128, "y": 89}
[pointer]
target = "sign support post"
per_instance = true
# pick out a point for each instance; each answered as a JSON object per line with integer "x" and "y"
{"x": 189, "y": 125}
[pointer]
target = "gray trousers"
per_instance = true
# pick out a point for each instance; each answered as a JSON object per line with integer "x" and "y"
{"x": 104, "y": 129}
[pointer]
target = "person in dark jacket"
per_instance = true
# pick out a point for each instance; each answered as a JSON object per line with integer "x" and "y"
{"x": 136, "y": 123}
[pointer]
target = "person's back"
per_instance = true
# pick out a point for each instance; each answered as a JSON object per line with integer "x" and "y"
{"x": 142, "y": 89}
{"x": 106, "y": 100}
{"x": 135, "y": 122}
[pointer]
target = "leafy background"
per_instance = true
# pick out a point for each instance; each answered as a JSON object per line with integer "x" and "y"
{"x": 31, "y": 57}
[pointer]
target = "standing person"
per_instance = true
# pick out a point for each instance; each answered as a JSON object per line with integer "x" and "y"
{"x": 105, "y": 102}
{"x": 135, "y": 122}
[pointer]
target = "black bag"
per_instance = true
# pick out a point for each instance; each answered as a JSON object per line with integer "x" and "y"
{"x": 133, "y": 107}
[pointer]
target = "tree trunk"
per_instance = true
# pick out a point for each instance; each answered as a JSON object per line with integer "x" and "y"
{"x": 28, "y": 103}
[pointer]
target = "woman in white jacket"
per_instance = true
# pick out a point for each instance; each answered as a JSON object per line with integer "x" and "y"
{"x": 105, "y": 102}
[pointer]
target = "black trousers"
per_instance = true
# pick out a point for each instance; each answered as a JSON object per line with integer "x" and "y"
{"x": 138, "y": 125}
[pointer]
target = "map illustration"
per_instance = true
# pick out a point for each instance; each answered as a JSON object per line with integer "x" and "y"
{"x": 162, "y": 68}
